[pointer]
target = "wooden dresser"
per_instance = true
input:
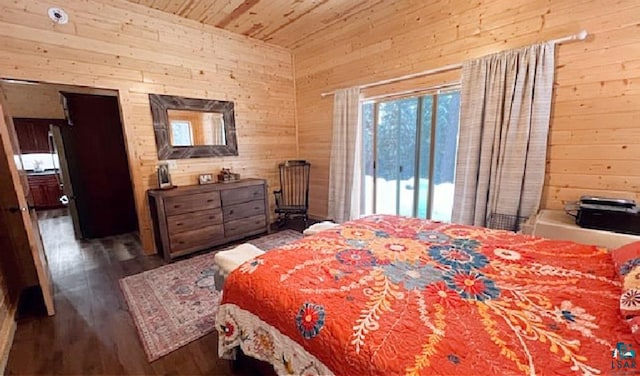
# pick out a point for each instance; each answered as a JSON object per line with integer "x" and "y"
{"x": 192, "y": 218}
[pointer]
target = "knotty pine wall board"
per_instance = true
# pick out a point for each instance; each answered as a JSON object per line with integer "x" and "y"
{"x": 114, "y": 44}
{"x": 595, "y": 89}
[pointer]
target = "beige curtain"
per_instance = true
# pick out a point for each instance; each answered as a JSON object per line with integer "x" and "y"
{"x": 212, "y": 128}
{"x": 504, "y": 122}
{"x": 344, "y": 170}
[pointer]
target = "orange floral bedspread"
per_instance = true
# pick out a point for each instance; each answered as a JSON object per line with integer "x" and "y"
{"x": 389, "y": 295}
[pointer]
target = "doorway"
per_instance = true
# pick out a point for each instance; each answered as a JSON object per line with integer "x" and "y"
{"x": 74, "y": 155}
{"x": 75, "y": 171}
{"x": 98, "y": 166}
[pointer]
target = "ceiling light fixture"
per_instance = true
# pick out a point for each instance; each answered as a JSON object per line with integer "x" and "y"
{"x": 58, "y": 15}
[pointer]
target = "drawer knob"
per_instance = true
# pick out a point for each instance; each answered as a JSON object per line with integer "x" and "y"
{"x": 230, "y": 211}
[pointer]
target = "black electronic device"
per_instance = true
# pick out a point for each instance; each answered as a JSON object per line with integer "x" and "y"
{"x": 617, "y": 215}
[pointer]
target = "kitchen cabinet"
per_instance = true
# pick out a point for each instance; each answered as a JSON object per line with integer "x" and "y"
{"x": 33, "y": 134}
{"x": 45, "y": 190}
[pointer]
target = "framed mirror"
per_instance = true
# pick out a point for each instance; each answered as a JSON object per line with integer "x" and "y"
{"x": 193, "y": 128}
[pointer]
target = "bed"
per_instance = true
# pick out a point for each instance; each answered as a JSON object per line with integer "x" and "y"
{"x": 387, "y": 295}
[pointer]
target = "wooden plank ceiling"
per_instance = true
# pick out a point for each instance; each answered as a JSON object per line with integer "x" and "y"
{"x": 281, "y": 22}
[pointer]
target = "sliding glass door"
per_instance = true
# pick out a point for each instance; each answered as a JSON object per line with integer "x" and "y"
{"x": 444, "y": 155}
{"x": 409, "y": 151}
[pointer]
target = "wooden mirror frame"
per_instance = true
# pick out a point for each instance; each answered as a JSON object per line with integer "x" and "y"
{"x": 161, "y": 127}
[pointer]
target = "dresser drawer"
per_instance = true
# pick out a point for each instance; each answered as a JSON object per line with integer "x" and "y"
{"x": 197, "y": 238}
{"x": 245, "y": 225}
{"x": 248, "y": 209}
{"x": 244, "y": 194}
{"x": 193, "y": 221}
{"x": 193, "y": 218}
{"x": 190, "y": 203}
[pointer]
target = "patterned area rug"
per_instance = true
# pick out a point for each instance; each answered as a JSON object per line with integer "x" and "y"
{"x": 177, "y": 303}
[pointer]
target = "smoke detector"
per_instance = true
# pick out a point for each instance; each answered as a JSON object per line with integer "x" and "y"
{"x": 58, "y": 15}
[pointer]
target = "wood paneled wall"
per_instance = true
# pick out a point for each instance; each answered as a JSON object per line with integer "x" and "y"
{"x": 113, "y": 44}
{"x": 8, "y": 304}
{"x": 595, "y": 125}
{"x": 10, "y": 282}
{"x": 41, "y": 101}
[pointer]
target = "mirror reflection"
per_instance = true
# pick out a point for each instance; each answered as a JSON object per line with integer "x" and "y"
{"x": 193, "y": 128}
{"x": 196, "y": 128}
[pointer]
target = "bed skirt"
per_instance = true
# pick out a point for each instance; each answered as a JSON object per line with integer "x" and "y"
{"x": 257, "y": 339}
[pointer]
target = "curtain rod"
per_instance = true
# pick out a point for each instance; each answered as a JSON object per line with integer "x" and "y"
{"x": 582, "y": 35}
{"x": 436, "y": 88}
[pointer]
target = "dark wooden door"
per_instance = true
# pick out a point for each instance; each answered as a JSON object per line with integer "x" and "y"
{"x": 98, "y": 165}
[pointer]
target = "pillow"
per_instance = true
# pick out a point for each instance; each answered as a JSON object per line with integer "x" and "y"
{"x": 627, "y": 262}
{"x": 634, "y": 324}
{"x": 626, "y": 258}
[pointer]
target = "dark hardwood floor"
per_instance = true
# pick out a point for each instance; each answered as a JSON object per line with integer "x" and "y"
{"x": 92, "y": 331}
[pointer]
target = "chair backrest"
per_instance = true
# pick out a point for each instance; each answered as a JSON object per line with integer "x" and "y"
{"x": 294, "y": 183}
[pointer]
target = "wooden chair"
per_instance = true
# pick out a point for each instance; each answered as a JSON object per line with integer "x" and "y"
{"x": 292, "y": 199}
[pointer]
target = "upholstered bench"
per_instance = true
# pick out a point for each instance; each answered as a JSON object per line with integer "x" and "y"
{"x": 227, "y": 261}
{"x": 317, "y": 227}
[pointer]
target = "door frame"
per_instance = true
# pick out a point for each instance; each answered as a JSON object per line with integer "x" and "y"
{"x": 140, "y": 203}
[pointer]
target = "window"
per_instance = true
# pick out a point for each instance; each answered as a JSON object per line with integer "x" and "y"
{"x": 181, "y": 134}
{"x": 409, "y": 155}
